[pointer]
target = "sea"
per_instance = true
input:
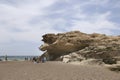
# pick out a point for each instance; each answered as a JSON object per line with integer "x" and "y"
{"x": 16, "y": 58}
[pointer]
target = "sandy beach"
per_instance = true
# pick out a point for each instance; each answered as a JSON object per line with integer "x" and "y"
{"x": 23, "y": 70}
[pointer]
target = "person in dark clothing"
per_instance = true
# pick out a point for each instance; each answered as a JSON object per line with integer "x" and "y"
{"x": 6, "y": 58}
{"x": 34, "y": 59}
{"x": 43, "y": 59}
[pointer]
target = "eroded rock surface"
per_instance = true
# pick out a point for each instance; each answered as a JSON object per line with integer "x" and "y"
{"x": 79, "y": 46}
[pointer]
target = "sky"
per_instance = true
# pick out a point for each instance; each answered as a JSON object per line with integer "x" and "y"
{"x": 23, "y": 22}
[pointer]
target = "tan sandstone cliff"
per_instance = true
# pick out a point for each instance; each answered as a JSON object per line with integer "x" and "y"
{"x": 78, "y": 46}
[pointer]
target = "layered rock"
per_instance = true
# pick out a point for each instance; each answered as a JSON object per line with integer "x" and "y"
{"x": 84, "y": 46}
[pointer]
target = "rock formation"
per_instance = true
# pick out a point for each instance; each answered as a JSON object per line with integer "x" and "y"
{"x": 78, "y": 46}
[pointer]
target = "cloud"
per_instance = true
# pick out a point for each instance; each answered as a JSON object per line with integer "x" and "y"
{"x": 96, "y": 23}
{"x": 95, "y": 19}
{"x": 17, "y": 18}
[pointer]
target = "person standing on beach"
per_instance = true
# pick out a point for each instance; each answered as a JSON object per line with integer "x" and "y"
{"x": 43, "y": 59}
{"x": 6, "y": 58}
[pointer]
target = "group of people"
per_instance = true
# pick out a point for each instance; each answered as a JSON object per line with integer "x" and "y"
{"x": 43, "y": 59}
{"x": 37, "y": 60}
{"x": 34, "y": 59}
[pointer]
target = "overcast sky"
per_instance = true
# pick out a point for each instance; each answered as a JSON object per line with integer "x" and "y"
{"x": 23, "y": 22}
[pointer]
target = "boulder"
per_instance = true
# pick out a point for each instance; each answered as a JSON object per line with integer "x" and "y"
{"x": 92, "y": 62}
{"x": 110, "y": 61}
{"x": 66, "y": 60}
{"x": 72, "y": 57}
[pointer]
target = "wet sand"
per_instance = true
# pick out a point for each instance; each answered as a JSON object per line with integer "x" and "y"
{"x": 24, "y": 70}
